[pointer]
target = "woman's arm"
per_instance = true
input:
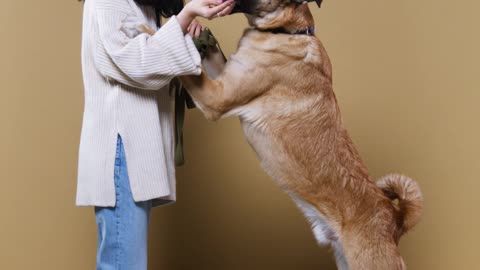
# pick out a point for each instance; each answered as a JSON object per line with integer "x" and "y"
{"x": 144, "y": 61}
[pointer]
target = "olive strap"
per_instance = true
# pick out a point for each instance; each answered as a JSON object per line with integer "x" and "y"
{"x": 204, "y": 43}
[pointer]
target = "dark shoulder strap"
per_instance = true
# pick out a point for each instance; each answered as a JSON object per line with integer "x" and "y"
{"x": 204, "y": 43}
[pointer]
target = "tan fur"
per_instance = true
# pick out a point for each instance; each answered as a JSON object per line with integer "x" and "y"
{"x": 281, "y": 88}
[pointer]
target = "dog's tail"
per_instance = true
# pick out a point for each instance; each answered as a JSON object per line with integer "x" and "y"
{"x": 410, "y": 199}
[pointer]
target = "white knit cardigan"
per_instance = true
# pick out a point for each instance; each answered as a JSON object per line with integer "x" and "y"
{"x": 126, "y": 76}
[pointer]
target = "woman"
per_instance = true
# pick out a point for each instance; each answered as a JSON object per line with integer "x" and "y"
{"x": 127, "y": 116}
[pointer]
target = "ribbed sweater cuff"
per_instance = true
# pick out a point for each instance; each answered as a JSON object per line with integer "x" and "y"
{"x": 191, "y": 62}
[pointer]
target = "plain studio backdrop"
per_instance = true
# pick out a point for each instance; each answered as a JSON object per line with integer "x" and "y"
{"x": 407, "y": 78}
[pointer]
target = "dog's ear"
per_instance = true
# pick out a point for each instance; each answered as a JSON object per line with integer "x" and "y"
{"x": 319, "y": 2}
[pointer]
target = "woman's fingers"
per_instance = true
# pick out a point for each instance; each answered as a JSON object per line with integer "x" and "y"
{"x": 226, "y": 11}
{"x": 209, "y": 8}
{"x": 213, "y": 11}
{"x": 191, "y": 31}
{"x": 214, "y": 2}
{"x": 198, "y": 29}
{"x": 193, "y": 28}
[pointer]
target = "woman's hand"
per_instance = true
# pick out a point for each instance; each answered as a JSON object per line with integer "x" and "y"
{"x": 204, "y": 8}
{"x": 194, "y": 29}
{"x": 210, "y": 9}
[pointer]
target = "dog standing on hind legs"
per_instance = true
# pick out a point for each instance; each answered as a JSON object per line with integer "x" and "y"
{"x": 279, "y": 83}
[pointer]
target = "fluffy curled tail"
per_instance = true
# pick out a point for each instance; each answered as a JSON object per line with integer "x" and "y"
{"x": 410, "y": 199}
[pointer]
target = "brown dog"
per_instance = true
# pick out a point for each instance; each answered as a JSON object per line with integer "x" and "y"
{"x": 279, "y": 83}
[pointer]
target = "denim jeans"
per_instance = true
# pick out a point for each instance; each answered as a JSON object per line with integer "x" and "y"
{"x": 123, "y": 229}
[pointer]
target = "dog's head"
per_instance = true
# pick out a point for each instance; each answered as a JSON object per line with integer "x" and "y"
{"x": 268, "y": 14}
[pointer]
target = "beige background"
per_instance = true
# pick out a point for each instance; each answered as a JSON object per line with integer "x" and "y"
{"x": 407, "y": 80}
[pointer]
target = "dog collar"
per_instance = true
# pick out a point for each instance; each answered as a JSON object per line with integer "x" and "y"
{"x": 309, "y": 31}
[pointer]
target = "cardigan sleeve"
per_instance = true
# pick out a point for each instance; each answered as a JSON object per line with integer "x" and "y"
{"x": 144, "y": 61}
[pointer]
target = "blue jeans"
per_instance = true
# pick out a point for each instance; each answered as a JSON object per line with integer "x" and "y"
{"x": 123, "y": 229}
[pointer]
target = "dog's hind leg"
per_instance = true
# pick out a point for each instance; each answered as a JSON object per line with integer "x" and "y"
{"x": 363, "y": 253}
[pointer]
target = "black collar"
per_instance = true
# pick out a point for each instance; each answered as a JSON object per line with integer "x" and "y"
{"x": 309, "y": 31}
